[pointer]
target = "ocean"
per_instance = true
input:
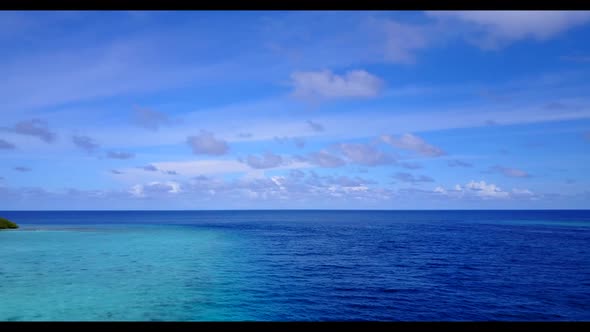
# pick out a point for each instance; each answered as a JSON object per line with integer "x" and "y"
{"x": 296, "y": 266}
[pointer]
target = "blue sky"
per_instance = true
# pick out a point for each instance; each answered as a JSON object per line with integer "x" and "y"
{"x": 273, "y": 110}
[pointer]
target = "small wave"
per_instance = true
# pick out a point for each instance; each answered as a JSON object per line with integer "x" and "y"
{"x": 398, "y": 290}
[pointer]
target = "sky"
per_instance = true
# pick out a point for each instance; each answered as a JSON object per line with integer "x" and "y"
{"x": 294, "y": 110}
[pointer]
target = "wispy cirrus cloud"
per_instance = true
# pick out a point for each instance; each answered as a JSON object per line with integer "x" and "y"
{"x": 494, "y": 29}
{"x": 346, "y": 125}
{"x": 404, "y": 40}
{"x": 90, "y": 71}
{"x": 576, "y": 58}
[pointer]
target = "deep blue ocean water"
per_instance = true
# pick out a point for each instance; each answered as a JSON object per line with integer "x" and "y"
{"x": 296, "y": 266}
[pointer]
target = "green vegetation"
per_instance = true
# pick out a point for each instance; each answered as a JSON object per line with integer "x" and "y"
{"x": 5, "y": 224}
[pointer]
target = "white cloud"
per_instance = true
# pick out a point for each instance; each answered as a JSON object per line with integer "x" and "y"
{"x": 346, "y": 181}
{"x": 413, "y": 143}
{"x": 200, "y": 168}
{"x": 155, "y": 188}
{"x": 6, "y": 145}
{"x": 483, "y": 190}
{"x": 458, "y": 163}
{"x": 206, "y": 143}
{"x": 364, "y": 154}
{"x": 34, "y": 127}
{"x": 137, "y": 191}
{"x": 326, "y": 85}
{"x": 407, "y": 177}
{"x": 267, "y": 160}
{"x": 149, "y": 168}
{"x": 119, "y": 155}
{"x": 294, "y": 186}
{"x": 204, "y": 167}
{"x": 343, "y": 126}
{"x": 184, "y": 169}
{"x": 297, "y": 141}
{"x": 522, "y": 192}
{"x": 440, "y": 190}
{"x": 85, "y": 143}
{"x": 324, "y": 159}
{"x": 22, "y": 169}
{"x": 150, "y": 119}
{"x": 410, "y": 165}
{"x": 502, "y": 27}
{"x": 510, "y": 172}
{"x": 317, "y": 127}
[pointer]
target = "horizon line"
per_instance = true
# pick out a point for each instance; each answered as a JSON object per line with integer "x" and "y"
{"x": 227, "y": 210}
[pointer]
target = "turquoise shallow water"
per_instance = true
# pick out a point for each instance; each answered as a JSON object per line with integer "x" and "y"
{"x": 119, "y": 273}
{"x": 289, "y": 265}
